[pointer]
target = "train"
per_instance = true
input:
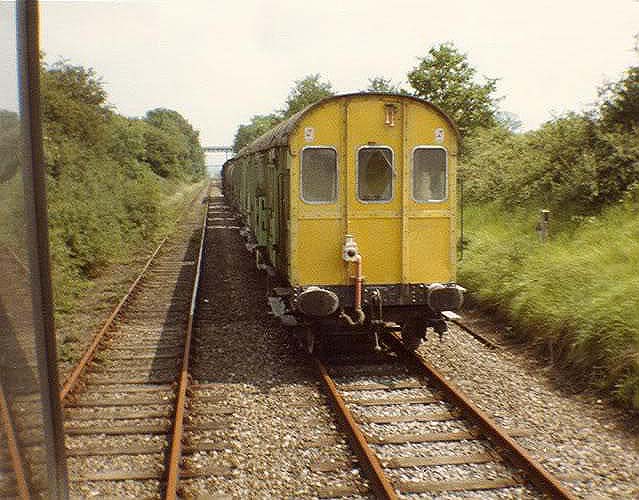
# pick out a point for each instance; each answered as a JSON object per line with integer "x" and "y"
{"x": 350, "y": 209}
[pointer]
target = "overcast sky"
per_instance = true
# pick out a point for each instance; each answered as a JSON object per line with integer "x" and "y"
{"x": 219, "y": 62}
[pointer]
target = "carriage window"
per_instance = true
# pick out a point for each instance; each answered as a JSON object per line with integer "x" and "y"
{"x": 375, "y": 174}
{"x": 429, "y": 174}
{"x": 319, "y": 175}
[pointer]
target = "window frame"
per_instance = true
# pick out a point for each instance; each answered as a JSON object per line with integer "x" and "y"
{"x": 332, "y": 202}
{"x": 393, "y": 175}
{"x": 412, "y": 174}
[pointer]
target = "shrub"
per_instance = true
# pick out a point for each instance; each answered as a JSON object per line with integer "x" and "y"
{"x": 107, "y": 176}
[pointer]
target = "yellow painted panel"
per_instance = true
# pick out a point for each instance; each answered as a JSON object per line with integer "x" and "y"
{"x": 366, "y": 127}
{"x": 422, "y": 123}
{"x": 429, "y": 250}
{"x": 317, "y": 231}
{"x": 380, "y": 248}
{"x": 325, "y": 122}
{"x": 318, "y": 255}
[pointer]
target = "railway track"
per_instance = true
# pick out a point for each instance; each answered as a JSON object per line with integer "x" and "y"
{"x": 415, "y": 433}
{"x": 140, "y": 427}
{"x": 209, "y": 411}
{"x": 124, "y": 402}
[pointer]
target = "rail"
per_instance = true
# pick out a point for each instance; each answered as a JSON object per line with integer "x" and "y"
{"x": 180, "y": 405}
{"x": 509, "y": 448}
{"x": 72, "y": 380}
{"x": 13, "y": 449}
{"x": 506, "y": 447}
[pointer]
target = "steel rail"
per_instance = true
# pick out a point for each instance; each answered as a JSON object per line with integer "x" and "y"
{"x": 475, "y": 334}
{"x": 12, "y": 445}
{"x": 72, "y": 380}
{"x": 175, "y": 455}
{"x": 7, "y": 422}
{"x": 380, "y": 484}
{"x": 508, "y": 447}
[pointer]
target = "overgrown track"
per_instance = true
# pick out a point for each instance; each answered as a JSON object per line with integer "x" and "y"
{"x": 415, "y": 433}
{"x": 121, "y": 406}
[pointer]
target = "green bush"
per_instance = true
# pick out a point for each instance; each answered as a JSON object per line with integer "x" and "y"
{"x": 576, "y": 294}
{"x": 109, "y": 177}
{"x": 570, "y": 164}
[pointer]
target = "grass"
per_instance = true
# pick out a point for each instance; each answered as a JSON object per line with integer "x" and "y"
{"x": 575, "y": 295}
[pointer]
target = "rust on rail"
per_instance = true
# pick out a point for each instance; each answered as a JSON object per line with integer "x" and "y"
{"x": 12, "y": 446}
{"x": 87, "y": 357}
{"x": 509, "y": 448}
{"x": 369, "y": 461}
{"x": 173, "y": 473}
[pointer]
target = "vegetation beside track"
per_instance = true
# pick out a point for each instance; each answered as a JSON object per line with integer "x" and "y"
{"x": 114, "y": 183}
{"x": 575, "y": 294}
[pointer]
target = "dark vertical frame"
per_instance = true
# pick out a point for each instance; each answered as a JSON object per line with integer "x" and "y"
{"x": 38, "y": 243}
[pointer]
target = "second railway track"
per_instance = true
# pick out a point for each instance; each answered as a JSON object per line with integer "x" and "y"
{"x": 121, "y": 408}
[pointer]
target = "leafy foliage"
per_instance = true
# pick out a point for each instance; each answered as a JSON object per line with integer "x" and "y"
{"x": 11, "y": 184}
{"x": 107, "y": 175}
{"x": 381, "y": 84}
{"x": 10, "y": 139}
{"x": 248, "y": 133}
{"x": 621, "y": 101}
{"x": 569, "y": 164}
{"x": 445, "y": 78}
{"x": 575, "y": 295}
{"x": 74, "y": 103}
{"x": 305, "y": 92}
{"x": 182, "y": 142}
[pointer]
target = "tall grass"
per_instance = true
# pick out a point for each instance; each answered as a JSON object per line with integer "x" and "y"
{"x": 575, "y": 295}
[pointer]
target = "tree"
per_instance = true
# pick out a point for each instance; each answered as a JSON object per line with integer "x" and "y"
{"x": 305, "y": 92}
{"x": 74, "y": 103}
{"x": 509, "y": 121}
{"x": 10, "y": 142}
{"x": 248, "y": 133}
{"x": 445, "y": 78}
{"x": 179, "y": 136}
{"x": 621, "y": 101}
{"x": 381, "y": 84}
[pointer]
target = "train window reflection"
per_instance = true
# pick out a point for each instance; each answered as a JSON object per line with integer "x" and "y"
{"x": 429, "y": 174}
{"x": 319, "y": 175}
{"x": 375, "y": 174}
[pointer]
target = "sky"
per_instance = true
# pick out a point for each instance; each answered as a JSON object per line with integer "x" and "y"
{"x": 220, "y": 62}
{"x": 8, "y": 59}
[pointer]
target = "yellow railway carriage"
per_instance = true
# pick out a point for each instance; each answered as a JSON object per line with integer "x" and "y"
{"x": 350, "y": 205}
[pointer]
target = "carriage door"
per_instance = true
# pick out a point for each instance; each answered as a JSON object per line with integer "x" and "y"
{"x": 374, "y": 204}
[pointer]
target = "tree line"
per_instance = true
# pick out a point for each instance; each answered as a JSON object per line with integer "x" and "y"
{"x": 443, "y": 77}
{"x": 580, "y": 161}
